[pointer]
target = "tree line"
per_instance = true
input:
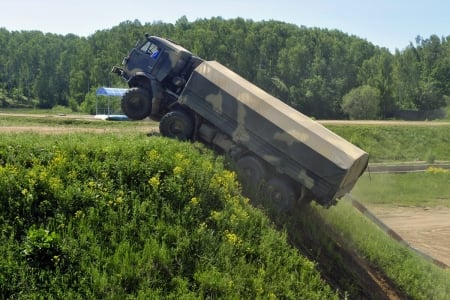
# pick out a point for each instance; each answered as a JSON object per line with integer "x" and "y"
{"x": 323, "y": 73}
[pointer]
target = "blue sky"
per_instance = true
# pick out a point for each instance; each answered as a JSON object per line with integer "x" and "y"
{"x": 392, "y": 24}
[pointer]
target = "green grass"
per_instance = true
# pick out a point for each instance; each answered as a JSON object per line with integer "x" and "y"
{"x": 54, "y": 120}
{"x": 421, "y": 189}
{"x": 400, "y": 142}
{"x": 383, "y": 143}
{"x": 125, "y": 216}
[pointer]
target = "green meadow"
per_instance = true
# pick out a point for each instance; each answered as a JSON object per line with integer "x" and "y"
{"x": 125, "y": 215}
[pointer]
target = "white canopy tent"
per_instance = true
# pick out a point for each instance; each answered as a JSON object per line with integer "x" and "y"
{"x": 112, "y": 92}
{"x": 109, "y": 92}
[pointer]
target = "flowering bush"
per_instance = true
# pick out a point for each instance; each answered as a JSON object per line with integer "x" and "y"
{"x": 114, "y": 217}
{"x": 437, "y": 170}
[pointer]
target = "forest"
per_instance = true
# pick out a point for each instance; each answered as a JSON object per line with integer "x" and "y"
{"x": 323, "y": 73}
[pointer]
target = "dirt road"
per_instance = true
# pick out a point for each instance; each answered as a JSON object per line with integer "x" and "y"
{"x": 425, "y": 229}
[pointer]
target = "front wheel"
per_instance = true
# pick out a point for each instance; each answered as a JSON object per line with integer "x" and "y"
{"x": 177, "y": 124}
{"x": 136, "y": 103}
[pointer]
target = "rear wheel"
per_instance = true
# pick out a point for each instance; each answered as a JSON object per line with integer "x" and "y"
{"x": 253, "y": 171}
{"x": 137, "y": 103}
{"x": 177, "y": 124}
{"x": 281, "y": 192}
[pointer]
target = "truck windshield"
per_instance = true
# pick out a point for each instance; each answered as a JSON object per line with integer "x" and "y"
{"x": 150, "y": 48}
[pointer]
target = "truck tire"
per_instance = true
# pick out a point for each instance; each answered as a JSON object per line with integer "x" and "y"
{"x": 280, "y": 191}
{"x": 253, "y": 171}
{"x": 137, "y": 103}
{"x": 177, "y": 124}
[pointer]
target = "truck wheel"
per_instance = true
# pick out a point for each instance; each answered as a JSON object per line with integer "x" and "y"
{"x": 281, "y": 192}
{"x": 136, "y": 103}
{"x": 252, "y": 170}
{"x": 177, "y": 124}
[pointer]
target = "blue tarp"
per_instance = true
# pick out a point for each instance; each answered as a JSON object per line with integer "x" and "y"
{"x": 112, "y": 117}
{"x": 113, "y": 92}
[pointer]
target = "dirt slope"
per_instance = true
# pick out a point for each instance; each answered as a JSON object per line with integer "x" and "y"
{"x": 425, "y": 229}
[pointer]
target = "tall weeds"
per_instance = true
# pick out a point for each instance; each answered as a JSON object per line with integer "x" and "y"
{"x": 117, "y": 217}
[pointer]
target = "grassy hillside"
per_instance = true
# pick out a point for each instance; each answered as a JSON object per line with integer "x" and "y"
{"x": 122, "y": 215}
{"x": 116, "y": 217}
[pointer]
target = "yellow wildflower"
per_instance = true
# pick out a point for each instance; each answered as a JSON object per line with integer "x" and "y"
{"x": 194, "y": 201}
{"x": 233, "y": 238}
{"x": 215, "y": 215}
{"x": 154, "y": 182}
{"x": 153, "y": 154}
{"x": 118, "y": 201}
{"x": 79, "y": 214}
{"x": 177, "y": 171}
{"x": 437, "y": 170}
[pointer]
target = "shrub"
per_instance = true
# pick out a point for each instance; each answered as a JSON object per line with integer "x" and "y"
{"x": 362, "y": 103}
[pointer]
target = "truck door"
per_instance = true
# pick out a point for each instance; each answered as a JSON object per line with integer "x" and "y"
{"x": 143, "y": 58}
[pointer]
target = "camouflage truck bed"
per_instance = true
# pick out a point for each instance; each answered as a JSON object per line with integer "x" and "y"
{"x": 286, "y": 139}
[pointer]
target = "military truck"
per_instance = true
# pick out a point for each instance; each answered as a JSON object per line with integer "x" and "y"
{"x": 280, "y": 152}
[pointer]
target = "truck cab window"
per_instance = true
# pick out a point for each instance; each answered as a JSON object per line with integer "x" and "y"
{"x": 150, "y": 48}
{"x": 145, "y": 46}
